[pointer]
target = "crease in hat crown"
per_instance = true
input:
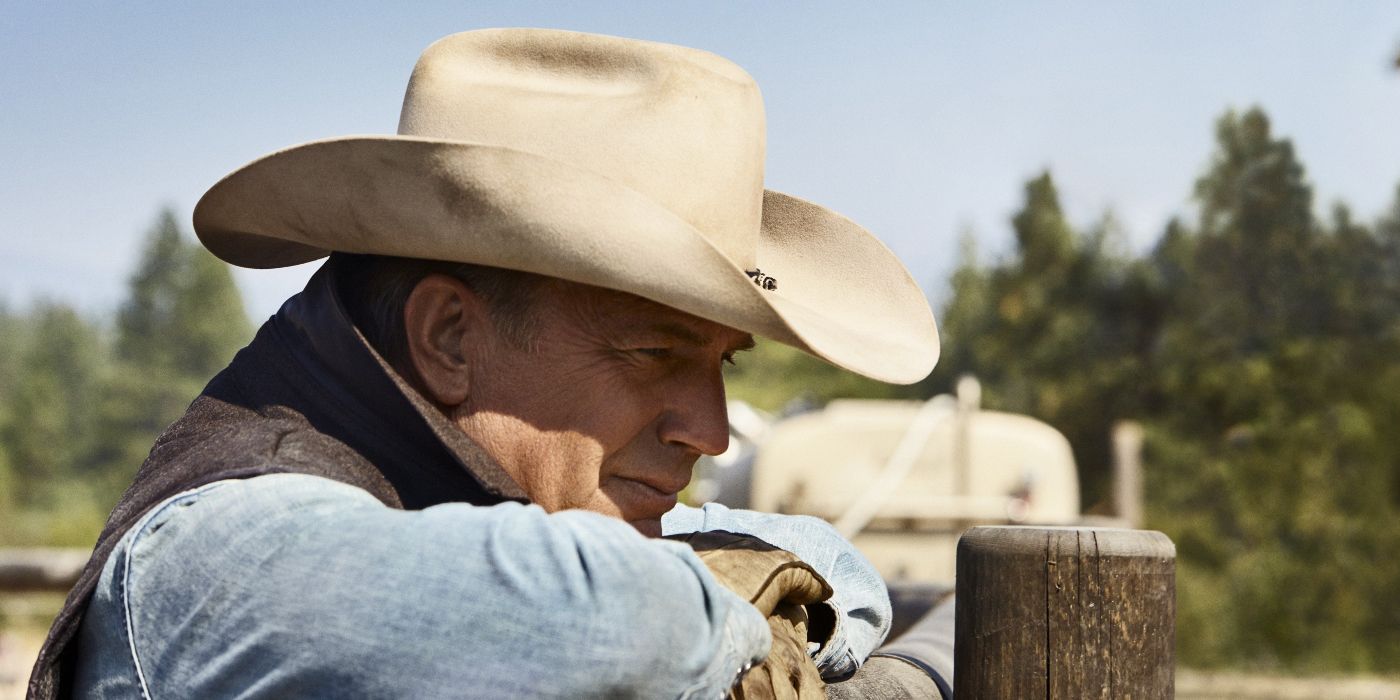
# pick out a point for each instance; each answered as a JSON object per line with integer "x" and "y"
{"x": 613, "y": 162}
{"x": 682, "y": 126}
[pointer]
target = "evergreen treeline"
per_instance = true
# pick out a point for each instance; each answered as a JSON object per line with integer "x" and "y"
{"x": 81, "y": 400}
{"x": 1260, "y": 348}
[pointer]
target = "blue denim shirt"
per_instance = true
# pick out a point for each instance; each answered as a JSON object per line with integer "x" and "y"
{"x": 293, "y": 585}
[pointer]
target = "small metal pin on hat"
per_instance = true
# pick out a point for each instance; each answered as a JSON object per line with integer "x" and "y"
{"x": 762, "y": 280}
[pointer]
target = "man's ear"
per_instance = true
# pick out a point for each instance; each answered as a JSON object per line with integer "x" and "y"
{"x": 445, "y": 323}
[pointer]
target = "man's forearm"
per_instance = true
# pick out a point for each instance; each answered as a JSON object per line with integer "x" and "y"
{"x": 309, "y": 584}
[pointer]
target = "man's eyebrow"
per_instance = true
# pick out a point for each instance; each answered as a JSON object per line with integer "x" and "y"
{"x": 690, "y": 336}
{"x": 675, "y": 330}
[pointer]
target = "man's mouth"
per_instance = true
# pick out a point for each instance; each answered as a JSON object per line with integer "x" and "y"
{"x": 641, "y": 500}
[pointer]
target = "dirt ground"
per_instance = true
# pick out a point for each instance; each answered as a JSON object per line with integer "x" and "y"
{"x": 1195, "y": 685}
{"x": 24, "y": 619}
{"x": 17, "y": 653}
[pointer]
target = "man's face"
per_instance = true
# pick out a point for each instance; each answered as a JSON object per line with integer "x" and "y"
{"x": 609, "y": 408}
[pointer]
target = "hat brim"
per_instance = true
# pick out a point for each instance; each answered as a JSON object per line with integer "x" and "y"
{"x": 842, "y": 295}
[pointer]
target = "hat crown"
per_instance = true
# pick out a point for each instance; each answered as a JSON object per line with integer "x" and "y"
{"x": 682, "y": 126}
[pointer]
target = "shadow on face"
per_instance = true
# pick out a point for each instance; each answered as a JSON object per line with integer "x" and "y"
{"x": 604, "y": 406}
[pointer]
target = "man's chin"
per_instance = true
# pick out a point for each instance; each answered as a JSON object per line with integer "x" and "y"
{"x": 651, "y": 527}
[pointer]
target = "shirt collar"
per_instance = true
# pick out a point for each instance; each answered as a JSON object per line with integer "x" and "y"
{"x": 424, "y": 456}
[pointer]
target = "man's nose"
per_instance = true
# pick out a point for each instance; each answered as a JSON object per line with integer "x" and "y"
{"x": 697, "y": 417}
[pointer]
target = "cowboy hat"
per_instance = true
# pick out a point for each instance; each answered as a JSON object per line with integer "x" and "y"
{"x": 619, "y": 163}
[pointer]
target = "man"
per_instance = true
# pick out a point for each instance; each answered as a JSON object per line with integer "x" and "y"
{"x": 440, "y": 469}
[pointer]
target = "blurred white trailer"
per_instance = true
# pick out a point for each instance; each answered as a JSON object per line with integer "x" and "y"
{"x": 902, "y": 479}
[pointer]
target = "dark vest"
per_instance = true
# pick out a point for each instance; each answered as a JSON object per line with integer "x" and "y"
{"x": 307, "y": 396}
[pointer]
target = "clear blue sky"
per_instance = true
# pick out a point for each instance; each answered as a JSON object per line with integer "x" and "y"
{"x": 919, "y": 120}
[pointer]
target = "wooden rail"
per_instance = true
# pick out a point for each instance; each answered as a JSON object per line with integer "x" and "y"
{"x": 1065, "y": 613}
{"x": 40, "y": 568}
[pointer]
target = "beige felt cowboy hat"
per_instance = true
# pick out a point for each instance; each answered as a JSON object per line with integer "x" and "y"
{"x": 613, "y": 162}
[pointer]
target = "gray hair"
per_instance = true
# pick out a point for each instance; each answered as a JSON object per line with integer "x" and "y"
{"x": 374, "y": 289}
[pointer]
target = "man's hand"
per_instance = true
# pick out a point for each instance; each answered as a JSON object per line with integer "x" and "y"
{"x": 788, "y": 673}
{"x": 858, "y": 614}
{"x": 778, "y": 584}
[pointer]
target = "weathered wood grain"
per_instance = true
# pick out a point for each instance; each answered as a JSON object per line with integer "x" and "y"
{"x": 1065, "y": 613}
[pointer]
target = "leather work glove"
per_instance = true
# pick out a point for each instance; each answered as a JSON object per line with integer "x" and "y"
{"x": 777, "y": 583}
{"x": 788, "y": 673}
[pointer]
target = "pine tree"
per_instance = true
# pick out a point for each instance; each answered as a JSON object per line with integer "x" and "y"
{"x": 965, "y": 322}
{"x": 207, "y": 316}
{"x": 13, "y": 333}
{"x": 1257, "y": 236}
{"x": 181, "y": 323}
{"x": 50, "y": 403}
{"x": 146, "y": 318}
{"x": 1058, "y": 331}
{"x": 1272, "y": 462}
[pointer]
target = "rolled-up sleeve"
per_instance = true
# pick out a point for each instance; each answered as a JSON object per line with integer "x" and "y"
{"x": 292, "y": 585}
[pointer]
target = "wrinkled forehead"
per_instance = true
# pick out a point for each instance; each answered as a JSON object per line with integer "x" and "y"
{"x": 615, "y": 311}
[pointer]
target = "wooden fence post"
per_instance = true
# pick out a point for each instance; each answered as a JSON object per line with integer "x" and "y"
{"x": 1064, "y": 612}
